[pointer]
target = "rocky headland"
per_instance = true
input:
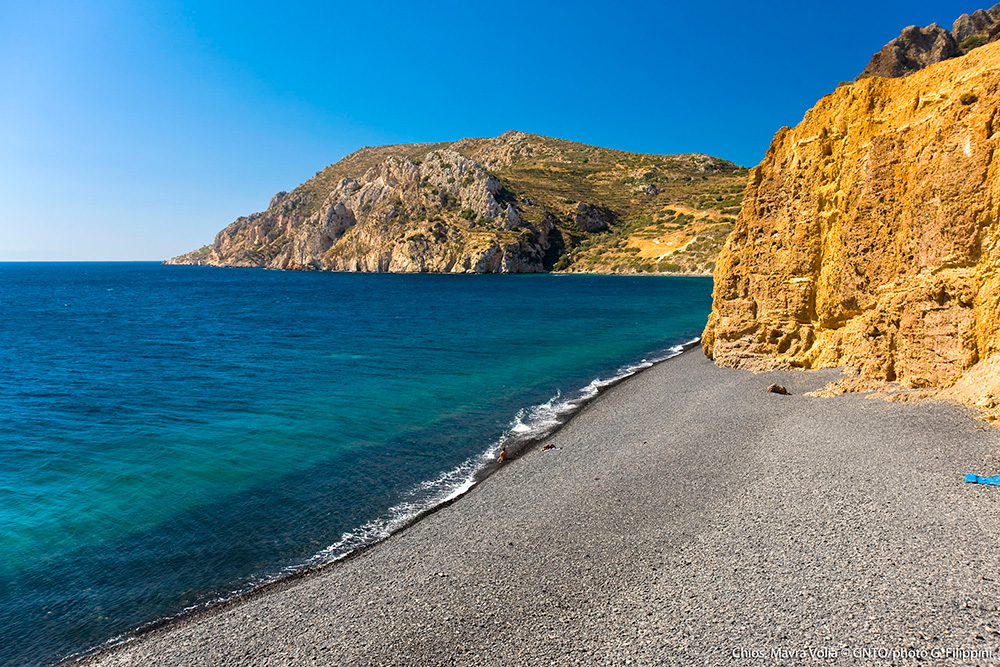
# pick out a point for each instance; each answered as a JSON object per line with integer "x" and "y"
{"x": 869, "y": 238}
{"x": 517, "y": 203}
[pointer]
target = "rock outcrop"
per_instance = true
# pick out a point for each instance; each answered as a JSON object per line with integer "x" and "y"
{"x": 916, "y": 47}
{"x": 517, "y": 203}
{"x": 981, "y": 23}
{"x": 593, "y": 218}
{"x": 869, "y": 237}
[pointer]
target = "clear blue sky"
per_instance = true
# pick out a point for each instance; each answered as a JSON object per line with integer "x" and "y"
{"x": 135, "y": 130}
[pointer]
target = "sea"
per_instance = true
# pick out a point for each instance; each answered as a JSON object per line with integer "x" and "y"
{"x": 175, "y": 436}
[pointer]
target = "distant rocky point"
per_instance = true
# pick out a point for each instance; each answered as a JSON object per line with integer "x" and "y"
{"x": 513, "y": 204}
{"x": 916, "y": 47}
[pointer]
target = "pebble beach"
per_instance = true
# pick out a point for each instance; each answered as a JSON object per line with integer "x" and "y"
{"x": 687, "y": 516}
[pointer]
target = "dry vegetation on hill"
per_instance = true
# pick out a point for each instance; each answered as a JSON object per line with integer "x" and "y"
{"x": 514, "y": 203}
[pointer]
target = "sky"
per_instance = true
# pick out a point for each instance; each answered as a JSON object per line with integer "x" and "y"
{"x": 136, "y": 130}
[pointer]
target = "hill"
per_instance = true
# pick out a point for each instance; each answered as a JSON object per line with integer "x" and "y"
{"x": 514, "y": 203}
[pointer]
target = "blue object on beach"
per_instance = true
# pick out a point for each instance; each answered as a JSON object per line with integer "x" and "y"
{"x": 976, "y": 479}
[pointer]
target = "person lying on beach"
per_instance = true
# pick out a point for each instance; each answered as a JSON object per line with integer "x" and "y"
{"x": 503, "y": 454}
{"x": 549, "y": 445}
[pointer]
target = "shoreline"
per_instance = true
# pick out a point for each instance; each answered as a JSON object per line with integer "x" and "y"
{"x": 293, "y": 577}
{"x": 595, "y": 534}
{"x": 167, "y": 262}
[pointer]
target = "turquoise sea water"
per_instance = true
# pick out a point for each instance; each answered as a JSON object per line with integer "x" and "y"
{"x": 172, "y": 435}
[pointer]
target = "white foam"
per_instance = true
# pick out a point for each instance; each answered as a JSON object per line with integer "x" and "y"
{"x": 529, "y": 424}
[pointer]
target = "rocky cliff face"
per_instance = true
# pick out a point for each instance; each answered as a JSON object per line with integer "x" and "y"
{"x": 392, "y": 218}
{"x": 869, "y": 236}
{"x": 916, "y": 48}
{"x": 513, "y": 204}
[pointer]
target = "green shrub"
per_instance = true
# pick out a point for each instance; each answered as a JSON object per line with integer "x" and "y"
{"x": 973, "y": 42}
{"x": 968, "y": 98}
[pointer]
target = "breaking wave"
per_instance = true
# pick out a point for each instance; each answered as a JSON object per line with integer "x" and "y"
{"x": 530, "y": 425}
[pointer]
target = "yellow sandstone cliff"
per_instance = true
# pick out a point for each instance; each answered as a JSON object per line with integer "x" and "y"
{"x": 869, "y": 238}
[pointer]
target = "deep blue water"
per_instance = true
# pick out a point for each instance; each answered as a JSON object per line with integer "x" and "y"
{"x": 170, "y": 435}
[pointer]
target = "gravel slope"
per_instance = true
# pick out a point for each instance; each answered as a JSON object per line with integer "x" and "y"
{"x": 687, "y": 514}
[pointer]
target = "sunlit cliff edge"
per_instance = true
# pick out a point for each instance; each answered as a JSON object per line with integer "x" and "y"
{"x": 868, "y": 238}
